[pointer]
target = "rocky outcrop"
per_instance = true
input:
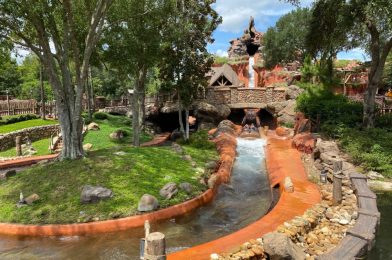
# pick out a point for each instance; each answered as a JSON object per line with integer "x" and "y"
{"x": 209, "y": 115}
{"x": 293, "y": 91}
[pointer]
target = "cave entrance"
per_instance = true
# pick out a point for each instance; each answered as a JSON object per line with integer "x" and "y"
{"x": 168, "y": 122}
{"x": 267, "y": 119}
{"x": 236, "y": 116}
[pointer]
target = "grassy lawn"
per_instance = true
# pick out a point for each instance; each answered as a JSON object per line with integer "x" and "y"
{"x": 100, "y": 139}
{"x": 42, "y": 147}
{"x": 139, "y": 171}
{"x": 25, "y": 124}
{"x": 129, "y": 176}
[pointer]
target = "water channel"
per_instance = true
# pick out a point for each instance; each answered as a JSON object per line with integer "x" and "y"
{"x": 243, "y": 201}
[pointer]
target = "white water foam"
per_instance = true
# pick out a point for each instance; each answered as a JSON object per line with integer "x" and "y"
{"x": 251, "y": 72}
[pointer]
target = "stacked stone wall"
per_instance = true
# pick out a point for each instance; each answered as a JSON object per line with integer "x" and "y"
{"x": 7, "y": 141}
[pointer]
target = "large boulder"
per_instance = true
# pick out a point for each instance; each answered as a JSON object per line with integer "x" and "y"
{"x": 293, "y": 91}
{"x": 93, "y": 127}
{"x": 147, "y": 203}
{"x": 278, "y": 246}
{"x": 169, "y": 190}
{"x": 206, "y": 112}
{"x": 226, "y": 126}
{"x": 187, "y": 187}
{"x": 287, "y": 114}
{"x": 7, "y": 174}
{"x": 92, "y": 194}
{"x": 326, "y": 146}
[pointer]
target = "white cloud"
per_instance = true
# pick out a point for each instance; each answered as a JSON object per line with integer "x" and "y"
{"x": 221, "y": 53}
{"x": 236, "y": 13}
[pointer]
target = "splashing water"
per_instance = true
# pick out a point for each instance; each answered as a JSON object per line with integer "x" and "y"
{"x": 251, "y": 72}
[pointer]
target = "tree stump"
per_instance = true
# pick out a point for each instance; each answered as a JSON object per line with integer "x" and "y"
{"x": 155, "y": 247}
{"x": 337, "y": 182}
{"x": 18, "y": 144}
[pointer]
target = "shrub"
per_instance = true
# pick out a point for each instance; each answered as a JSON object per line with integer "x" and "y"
{"x": 332, "y": 110}
{"x": 100, "y": 115}
{"x": 125, "y": 132}
{"x": 18, "y": 118}
{"x": 384, "y": 121}
{"x": 200, "y": 140}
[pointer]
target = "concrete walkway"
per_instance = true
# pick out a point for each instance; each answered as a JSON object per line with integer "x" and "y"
{"x": 282, "y": 161}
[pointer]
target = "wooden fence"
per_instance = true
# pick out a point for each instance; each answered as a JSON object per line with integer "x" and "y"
{"x": 22, "y": 107}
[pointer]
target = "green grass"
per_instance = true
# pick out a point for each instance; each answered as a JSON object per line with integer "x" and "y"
{"x": 42, "y": 147}
{"x": 100, "y": 139}
{"x": 25, "y": 124}
{"x": 129, "y": 176}
{"x": 140, "y": 171}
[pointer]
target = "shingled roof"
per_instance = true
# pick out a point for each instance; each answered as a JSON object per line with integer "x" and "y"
{"x": 227, "y": 72}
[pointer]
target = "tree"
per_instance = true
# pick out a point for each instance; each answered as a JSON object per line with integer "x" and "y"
{"x": 286, "y": 41}
{"x": 30, "y": 77}
{"x": 133, "y": 43}
{"x": 367, "y": 24}
{"x": 185, "y": 60}
{"x": 63, "y": 35}
{"x": 9, "y": 73}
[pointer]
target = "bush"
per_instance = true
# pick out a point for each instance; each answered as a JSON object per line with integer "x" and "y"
{"x": 384, "y": 121}
{"x": 332, "y": 110}
{"x": 200, "y": 140}
{"x": 125, "y": 132}
{"x": 18, "y": 118}
{"x": 100, "y": 115}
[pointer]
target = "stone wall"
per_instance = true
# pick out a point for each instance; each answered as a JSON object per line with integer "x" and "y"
{"x": 7, "y": 141}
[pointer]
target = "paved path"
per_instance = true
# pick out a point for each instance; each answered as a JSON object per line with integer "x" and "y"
{"x": 282, "y": 161}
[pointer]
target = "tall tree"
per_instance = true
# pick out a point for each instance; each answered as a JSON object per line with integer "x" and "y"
{"x": 286, "y": 41}
{"x": 132, "y": 46}
{"x": 368, "y": 24}
{"x": 185, "y": 60}
{"x": 10, "y": 78}
{"x": 59, "y": 33}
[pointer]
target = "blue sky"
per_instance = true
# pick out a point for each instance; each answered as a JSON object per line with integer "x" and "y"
{"x": 236, "y": 14}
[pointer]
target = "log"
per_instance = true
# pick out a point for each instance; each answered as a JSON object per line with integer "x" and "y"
{"x": 155, "y": 247}
{"x": 18, "y": 144}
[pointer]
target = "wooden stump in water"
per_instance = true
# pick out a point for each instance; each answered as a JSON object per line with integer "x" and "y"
{"x": 155, "y": 247}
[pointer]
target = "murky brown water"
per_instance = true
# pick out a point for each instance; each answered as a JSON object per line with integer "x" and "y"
{"x": 245, "y": 200}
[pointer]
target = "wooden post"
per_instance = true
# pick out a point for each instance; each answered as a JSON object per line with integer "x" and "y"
{"x": 8, "y": 102}
{"x": 337, "y": 182}
{"x": 18, "y": 143}
{"x": 155, "y": 247}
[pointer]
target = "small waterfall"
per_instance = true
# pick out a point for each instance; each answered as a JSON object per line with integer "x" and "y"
{"x": 251, "y": 72}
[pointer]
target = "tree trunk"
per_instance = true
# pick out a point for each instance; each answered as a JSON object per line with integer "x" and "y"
{"x": 88, "y": 97}
{"x": 369, "y": 107}
{"x": 138, "y": 102}
{"x": 71, "y": 124}
{"x": 186, "y": 124}
{"x": 43, "y": 113}
{"x": 180, "y": 121}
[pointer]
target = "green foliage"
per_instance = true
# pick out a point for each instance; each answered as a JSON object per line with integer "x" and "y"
{"x": 18, "y": 118}
{"x": 372, "y": 148}
{"x": 319, "y": 102}
{"x": 286, "y": 41}
{"x": 25, "y": 124}
{"x": 100, "y": 115}
{"x": 129, "y": 176}
{"x": 309, "y": 69}
{"x": 384, "y": 121}
{"x": 200, "y": 140}
{"x": 220, "y": 60}
{"x": 30, "y": 76}
{"x": 10, "y": 77}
